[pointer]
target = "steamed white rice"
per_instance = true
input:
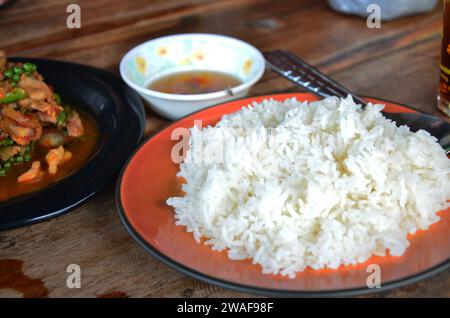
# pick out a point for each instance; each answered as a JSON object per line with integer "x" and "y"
{"x": 296, "y": 184}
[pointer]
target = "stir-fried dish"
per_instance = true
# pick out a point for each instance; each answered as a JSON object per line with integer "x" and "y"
{"x": 40, "y": 140}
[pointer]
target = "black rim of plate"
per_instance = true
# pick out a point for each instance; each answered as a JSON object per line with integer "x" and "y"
{"x": 70, "y": 192}
{"x": 255, "y": 289}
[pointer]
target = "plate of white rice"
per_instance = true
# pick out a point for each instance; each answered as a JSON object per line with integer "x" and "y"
{"x": 290, "y": 195}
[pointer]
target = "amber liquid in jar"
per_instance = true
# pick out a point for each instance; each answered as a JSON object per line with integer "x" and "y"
{"x": 444, "y": 86}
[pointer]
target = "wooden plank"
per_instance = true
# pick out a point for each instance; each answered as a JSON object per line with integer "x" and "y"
{"x": 118, "y": 20}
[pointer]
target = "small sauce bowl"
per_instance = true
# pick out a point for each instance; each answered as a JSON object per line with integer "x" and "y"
{"x": 189, "y": 52}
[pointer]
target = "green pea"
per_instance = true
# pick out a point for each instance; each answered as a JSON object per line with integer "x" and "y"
{"x": 19, "y": 159}
{"x": 27, "y": 157}
{"x": 8, "y": 73}
{"x": 6, "y": 142}
{"x": 17, "y": 70}
{"x": 2, "y": 172}
{"x": 7, "y": 164}
{"x": 29, "y": 67}
{"x": 16, "y": 77}
{"x": 28, "y": 147}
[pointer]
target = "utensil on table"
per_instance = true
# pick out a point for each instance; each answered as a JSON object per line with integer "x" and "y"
{"x": 293, "y": 68}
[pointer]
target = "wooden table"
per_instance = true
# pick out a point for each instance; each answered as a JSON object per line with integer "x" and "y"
{"x": 398, "y": 62}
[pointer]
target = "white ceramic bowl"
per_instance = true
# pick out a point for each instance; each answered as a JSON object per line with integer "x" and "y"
{"x": 183, "y": 52}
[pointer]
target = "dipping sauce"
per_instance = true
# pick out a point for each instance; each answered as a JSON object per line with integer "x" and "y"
{"x": 194, "y": 82}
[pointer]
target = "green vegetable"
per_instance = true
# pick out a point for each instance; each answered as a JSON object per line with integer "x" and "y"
{"x": 16, "y": 77}
{"x": 17, "y": 70}
{"x": 6, "y": 166}
{"x": 8, "y": 73}
{"x": 57, "y": 98}
{"x": 7, "y": 142}
{"x": 13, "y": 74}
{"x": 29, "y": 68}
{"x": 30, "y": 147}
{"x": 19, "y": 158}
{"x": 61, "y": 119}
{"x": 13, "y": 96}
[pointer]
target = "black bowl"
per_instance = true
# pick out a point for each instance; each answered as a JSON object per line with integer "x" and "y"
{"x": 120, "y": 117}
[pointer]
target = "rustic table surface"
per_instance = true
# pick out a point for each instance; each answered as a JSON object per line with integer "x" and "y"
{"x": 397, "y": 62}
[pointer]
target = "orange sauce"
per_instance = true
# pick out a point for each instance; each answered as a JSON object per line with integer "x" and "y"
{"x": 81, "y": 149}
{"x": 194, "y": 82}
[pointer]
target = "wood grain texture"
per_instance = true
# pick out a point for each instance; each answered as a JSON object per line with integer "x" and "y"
{"x": 398, "y": 62}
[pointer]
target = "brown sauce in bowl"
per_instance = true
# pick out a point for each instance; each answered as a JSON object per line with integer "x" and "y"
{"x": 194, "y": 82}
